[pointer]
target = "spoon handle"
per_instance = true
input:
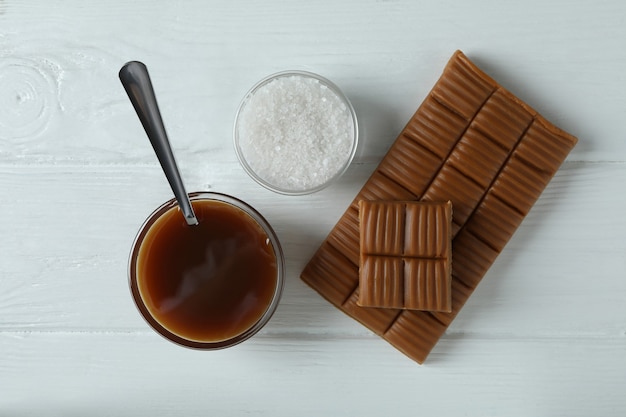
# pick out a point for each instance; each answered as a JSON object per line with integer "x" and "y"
{"x": 136, "y": 80}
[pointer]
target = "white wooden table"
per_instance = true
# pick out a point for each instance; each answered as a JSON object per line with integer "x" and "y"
{"x": 544, "y": 334}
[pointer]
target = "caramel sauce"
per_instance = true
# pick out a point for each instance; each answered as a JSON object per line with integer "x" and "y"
{"x": 209, "y": 282}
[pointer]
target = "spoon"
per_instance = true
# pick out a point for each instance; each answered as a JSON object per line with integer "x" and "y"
{"x": 136, "y": 80}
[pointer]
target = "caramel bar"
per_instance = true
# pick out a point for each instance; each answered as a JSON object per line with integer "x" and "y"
{"x": 471, "y": 142}
{"x": 406, "y": 253}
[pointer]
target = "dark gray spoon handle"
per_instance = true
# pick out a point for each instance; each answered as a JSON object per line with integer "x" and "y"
{"x": 136, "y": 80}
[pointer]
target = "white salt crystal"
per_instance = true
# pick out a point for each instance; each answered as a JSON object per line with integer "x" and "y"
{"x": 295, "y": 133}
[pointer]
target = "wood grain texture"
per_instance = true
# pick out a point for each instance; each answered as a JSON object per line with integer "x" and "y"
{"x": 544, "y": 333}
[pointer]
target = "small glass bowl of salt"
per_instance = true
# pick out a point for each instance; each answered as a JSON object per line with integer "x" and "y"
{"x": 295, "y": 132}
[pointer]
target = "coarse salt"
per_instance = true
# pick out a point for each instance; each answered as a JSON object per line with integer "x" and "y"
{"x": 295, "y": 133}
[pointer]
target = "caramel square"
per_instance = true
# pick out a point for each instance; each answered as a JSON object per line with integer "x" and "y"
{"x": 406, "y": 253}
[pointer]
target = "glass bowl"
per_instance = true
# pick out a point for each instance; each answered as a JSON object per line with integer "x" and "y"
{"x": 295, "y": 132}
{"x": 224, "y": 280}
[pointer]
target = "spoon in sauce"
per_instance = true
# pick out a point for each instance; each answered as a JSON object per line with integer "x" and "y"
{"x": 136, "y": 80}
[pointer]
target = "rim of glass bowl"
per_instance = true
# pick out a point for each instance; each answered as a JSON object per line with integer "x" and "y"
{"x": 173, "y": 337}
{"x": 342, "y": 97}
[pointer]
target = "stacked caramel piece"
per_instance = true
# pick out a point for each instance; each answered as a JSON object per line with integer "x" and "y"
{"x": 406, "y": 253}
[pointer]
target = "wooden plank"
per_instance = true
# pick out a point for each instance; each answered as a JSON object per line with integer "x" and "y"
{"x": 63, "y": 270}
{"x": 103, "y": 374}
{"x": 70, "y": 57}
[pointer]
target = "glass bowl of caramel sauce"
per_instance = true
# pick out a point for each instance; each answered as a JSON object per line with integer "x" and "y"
{"x": 209, "y": 286}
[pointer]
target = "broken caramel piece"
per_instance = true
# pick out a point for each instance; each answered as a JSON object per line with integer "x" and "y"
{"x": 406, "y": 255}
